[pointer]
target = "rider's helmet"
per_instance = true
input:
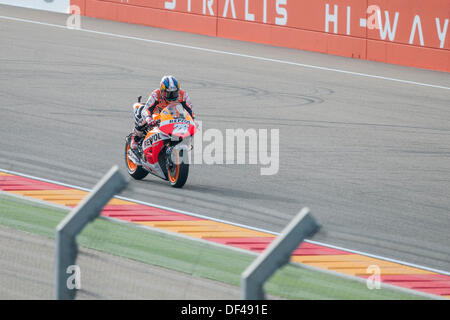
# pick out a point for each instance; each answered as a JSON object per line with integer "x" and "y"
{"x": 170, "y": 88}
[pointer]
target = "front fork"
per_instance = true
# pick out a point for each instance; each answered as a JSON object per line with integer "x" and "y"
{"x": 169, "y": 156}
{"x": 182, "y": 150}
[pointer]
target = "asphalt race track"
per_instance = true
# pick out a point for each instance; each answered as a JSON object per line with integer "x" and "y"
{"x": 369, "y": 156}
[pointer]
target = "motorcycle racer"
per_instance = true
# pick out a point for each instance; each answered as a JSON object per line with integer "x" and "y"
{"x": 169, "y": 91}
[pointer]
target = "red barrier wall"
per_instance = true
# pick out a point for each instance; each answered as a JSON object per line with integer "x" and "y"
{"x": 407, "y": 32}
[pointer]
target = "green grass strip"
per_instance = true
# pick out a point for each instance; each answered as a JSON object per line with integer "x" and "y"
{"x": 191, "y": 257}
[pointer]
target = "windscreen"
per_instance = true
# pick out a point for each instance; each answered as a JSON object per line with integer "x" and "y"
{"x": 176, "y": 110}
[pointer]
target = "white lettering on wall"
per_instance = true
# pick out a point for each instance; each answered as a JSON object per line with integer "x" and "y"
{"x": 387, "y": 25}
{"x": 416, "y": 25}
{"x": 265, "y": 11}
{"x": 441, "y": 33}
{"x": 348, "y": 19}
{"x": 373, "y": 19}
{"x": 248, "y": 16}
{"x": 208, "y": 3}
{"x": 225, "y": 9}
{"x": 282, "y": 12}
{"x": 331, "y": 17}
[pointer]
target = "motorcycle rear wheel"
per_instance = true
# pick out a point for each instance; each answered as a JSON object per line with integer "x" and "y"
{"x": 137, "y": 172}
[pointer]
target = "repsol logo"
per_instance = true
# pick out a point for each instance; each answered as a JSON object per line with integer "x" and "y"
{"x": 179, "y": 121}
{"x": 151, "y": 140}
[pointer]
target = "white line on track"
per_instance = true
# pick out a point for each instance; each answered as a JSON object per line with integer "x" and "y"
{"x": 232, "y": 54}
{"x": 232, "y": 223}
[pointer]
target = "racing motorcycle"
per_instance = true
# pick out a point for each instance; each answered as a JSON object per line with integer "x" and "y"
{"x": 169, "y": 141}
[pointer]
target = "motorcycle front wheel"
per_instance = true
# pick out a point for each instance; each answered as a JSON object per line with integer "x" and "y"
{"x": 178, "y": 172}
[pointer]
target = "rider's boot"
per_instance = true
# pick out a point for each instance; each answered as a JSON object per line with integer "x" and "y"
{"x": 136, "y": 138}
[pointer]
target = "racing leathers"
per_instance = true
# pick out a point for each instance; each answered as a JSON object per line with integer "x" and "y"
{"x": 155, "y": 104}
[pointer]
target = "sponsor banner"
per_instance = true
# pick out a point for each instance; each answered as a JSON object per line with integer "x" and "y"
{"x": 300, "y": 14}
{"x": 207, "y": 7}
{"x": 413, "y": 32}
{"x": 417, "y": 23}
{"x": 48, "y": 5}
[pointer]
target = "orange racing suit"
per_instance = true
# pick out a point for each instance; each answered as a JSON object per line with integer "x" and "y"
{"x": 155, "y": 104}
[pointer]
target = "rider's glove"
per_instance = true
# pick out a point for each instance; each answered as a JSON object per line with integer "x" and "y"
{"x": 151, "y": 122}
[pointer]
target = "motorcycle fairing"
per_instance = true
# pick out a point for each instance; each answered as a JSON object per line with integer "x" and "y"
{"x": 176, "y": 121}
